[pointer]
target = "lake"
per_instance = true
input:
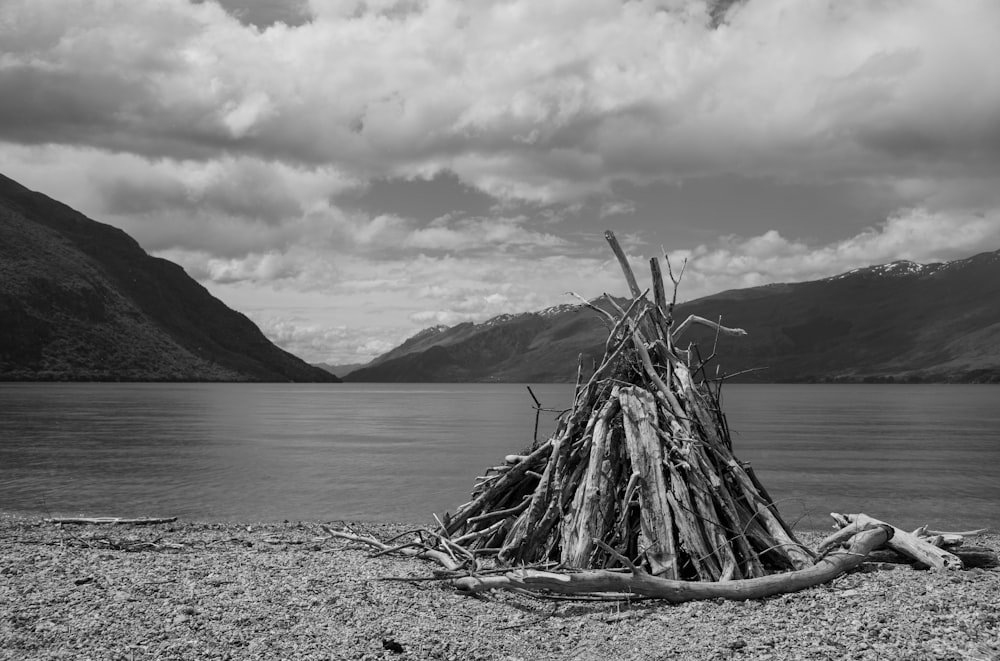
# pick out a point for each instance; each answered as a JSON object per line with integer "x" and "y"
{"x": 909, "y": 454}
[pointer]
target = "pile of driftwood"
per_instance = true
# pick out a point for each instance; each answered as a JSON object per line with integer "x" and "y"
{"x": 639, "y": 472}
{"x": 638, "y": 490}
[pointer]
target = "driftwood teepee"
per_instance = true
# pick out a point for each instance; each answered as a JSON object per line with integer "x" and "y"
{"x": 639, "y": 473}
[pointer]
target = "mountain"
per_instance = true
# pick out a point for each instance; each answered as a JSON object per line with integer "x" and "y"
{"x": 81, "y": 301}
{"x": 893, "y": 322}
{"x": 530, "y": 347}
{"x": 339, "y": 368}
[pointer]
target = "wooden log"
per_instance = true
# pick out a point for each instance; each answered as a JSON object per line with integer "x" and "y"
{"x": 691, "y": 530}
{"x": 616, "y": 248}
{"x": 592, "y": 503}
{"x": 639, "y": 582}
{"x": 659, "y": 320}
{"x": 836, "y": 539}
{"x": 977, "y": 556}
{"x": 646, "y": 455}
{"x": 111, "y": 520}
{"x": 904, "y": 542}
{"x": 964, "y": 533}
{"x": 971, "y": 557}
{"x": 659, "y": 294}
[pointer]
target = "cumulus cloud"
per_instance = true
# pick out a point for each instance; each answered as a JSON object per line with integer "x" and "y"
{"x": 540, "y": 101}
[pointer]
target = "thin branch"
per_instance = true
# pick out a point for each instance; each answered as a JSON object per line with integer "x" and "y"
{"x": 621, "y": 558}
{"x": 695, "y": 319}
{"x": 610, "y": 317}
{"x": 726, "y": 377}
{"x": 676, "y": 281}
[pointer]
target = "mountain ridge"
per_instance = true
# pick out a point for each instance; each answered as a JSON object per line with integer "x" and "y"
{"x": 900, "y": 321}
{"x": 82, "y": 301}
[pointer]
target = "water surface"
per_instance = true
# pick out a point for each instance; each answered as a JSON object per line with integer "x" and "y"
{"x": 913, "y": 454}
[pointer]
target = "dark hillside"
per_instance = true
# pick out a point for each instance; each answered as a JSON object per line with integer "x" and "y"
{"x": 81, "y": 300}
{"x": 894, "y": 322}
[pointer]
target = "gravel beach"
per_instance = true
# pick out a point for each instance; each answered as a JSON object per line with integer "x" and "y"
{"x": 281, "y": 591}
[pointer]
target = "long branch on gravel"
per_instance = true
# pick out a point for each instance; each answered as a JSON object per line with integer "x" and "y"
{"x": 610, "y": 584}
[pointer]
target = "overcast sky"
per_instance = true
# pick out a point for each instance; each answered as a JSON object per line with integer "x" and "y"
{"x": 347, "y": 173}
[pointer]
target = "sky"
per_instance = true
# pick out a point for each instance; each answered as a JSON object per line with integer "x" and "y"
{"x": 347, "y": 173}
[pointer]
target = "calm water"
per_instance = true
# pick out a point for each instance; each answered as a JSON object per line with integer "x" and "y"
{"x": 910, "y": 454}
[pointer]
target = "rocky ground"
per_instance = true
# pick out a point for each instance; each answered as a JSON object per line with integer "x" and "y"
{"x": 284, "y": 591}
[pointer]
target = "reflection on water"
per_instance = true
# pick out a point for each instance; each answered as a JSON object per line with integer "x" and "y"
{"x": 913, "y": 454}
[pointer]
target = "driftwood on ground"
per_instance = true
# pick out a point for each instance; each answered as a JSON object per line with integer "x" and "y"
{"x": 640, "y": 582}
{"x": 925, "y": 548}
{"x": 908, "y": 544}
{"x": 111, "y": 520}
{"x": 865, "y": 539}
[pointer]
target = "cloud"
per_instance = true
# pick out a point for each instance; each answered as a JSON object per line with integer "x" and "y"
{"x": 496, "y": 233}
{"x": 229, "y": 206}
{"x": 537, "y": 101}
{"x": 915, "y": 234}
{"x": 265, "y": 13}
{"x": 335, "y": 345}
{"x": 271, "y": 267}
{"x": 617, "y": 208}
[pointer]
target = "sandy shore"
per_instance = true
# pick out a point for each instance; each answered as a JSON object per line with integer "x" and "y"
{"x": 279, "y": 591}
